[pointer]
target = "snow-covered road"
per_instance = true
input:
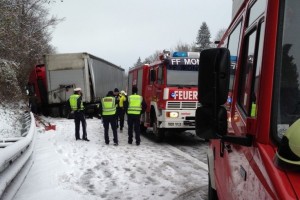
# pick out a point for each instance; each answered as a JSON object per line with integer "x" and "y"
{"x": 68, "y": 169}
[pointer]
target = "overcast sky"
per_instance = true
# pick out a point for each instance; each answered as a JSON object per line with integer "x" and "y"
{"x": 121, "y": 31}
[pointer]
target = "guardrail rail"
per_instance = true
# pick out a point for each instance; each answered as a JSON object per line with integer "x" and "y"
{"x": 16, "y": 158}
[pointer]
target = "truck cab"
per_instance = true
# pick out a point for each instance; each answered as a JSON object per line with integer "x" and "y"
{"x": 250, "y": 99}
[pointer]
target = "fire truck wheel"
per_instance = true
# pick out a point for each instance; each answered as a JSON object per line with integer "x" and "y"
{"x": 143, "y": 128}
{"x": 212, "y": 193}
{"x": 158, "y": 132}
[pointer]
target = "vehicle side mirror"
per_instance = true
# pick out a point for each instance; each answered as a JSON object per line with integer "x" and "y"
{"x": 213, "y": 86}
{"x": 206, "y": 126}
{"x": 153, "y": 75}
{"x": 213, "y": 77}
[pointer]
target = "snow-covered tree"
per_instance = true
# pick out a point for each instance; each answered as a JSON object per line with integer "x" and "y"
{"x": 180, "y": 46}
{"x": 138, "y": 62}
{"x": 203, "y": 38}
{"x": 153, "y": 57}
{"x": 220, "y": 34}
{"x": 25, "y": 33}
{"x": 218, "y": 37}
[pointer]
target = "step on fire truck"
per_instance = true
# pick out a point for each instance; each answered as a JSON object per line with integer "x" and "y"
{"x": 169, "y": 87}
{"x": 254, "y": 150}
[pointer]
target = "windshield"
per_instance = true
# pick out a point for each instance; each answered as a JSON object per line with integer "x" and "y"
{"x": 184, "y": 75}
{"x": 288, "y": 109}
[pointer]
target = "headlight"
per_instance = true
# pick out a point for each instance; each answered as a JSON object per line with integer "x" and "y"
{"x": 172, "y": 114}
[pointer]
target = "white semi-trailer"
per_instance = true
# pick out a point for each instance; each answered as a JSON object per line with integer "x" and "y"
{"x": 55, "y": 80}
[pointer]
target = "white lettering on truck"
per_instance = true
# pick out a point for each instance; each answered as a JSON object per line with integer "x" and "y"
{"x": 185, "y": 95}
{"x": 175, "y": 61}
{"x": 191, "y": 61}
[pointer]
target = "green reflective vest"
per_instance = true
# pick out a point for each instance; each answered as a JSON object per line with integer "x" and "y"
{"x": 135, "y": 104}
{"x": 253, "y": 110}
{"x": 73, "y": 102}
{"x": 108, "y": 106}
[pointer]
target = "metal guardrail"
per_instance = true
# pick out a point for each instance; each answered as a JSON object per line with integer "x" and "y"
{"x": 16, "y": 158}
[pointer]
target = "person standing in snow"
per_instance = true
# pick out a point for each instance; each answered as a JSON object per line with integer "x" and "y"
{"x": 135, "y": 106}
{"x": 76, "y": 105}
{"x": 117, "y": 99}
{"x": 120, "y": 108}
{"x": 108, "y": 111}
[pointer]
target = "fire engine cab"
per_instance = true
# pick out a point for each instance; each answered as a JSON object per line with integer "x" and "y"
{"x": 254, "y": 149}
{"x": 169, "y": 87}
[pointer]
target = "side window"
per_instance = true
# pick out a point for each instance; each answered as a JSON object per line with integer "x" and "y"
{"x": 256, "y": 10}
{"x": 258, "y": 70}
{"x": 233, "y": 46}
{"x": 252, "y": 59}
{"x": 246, "y": 73}
{"x": 139, "y": 80}
{"x": 150, "y": 81}
{"x": 250, "y": 71}
{"x": 160, "y": 75}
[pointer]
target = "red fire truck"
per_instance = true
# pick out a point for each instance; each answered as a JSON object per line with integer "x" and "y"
{"x": 169, "y": 87}
{"x": 255, "y": 142}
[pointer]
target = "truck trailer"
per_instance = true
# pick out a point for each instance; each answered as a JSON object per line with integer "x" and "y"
{"x": 53, "y": 81}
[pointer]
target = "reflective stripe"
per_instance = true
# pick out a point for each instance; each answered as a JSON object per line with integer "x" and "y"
{"x": 73, "y": 102}
{"x": 135, "y": 104}
{"x": 108, "y": 106}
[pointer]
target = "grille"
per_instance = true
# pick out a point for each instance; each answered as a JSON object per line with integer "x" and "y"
{"x": 182, "y": 104}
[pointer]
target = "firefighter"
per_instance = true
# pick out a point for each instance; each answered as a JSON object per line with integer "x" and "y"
{"x": 288, "y": 154}
{"x": 120, "y": 108}
{"x": 108, "y": 112}
{"x": 117, "y": 99}
{"x": 135, "y": 106}
{"x": 77, "y": 107}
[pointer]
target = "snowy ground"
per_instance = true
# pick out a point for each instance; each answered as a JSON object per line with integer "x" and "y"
{"x": 68, "y": 169}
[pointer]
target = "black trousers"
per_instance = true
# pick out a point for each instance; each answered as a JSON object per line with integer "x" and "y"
{"x": 121, "y": 114}
{"x": 134, "y": 123}
{"x": 110, "y": 119}
{"x": 79, "y": 117}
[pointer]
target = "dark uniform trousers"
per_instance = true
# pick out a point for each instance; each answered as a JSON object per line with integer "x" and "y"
{"x": 134, "y": 123}
{"x": 79, "y": 117}
{"x": 110, "y": 119}
{"x": 121, "y": 114}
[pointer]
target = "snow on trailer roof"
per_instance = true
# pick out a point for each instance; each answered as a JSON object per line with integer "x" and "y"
{"x": 75, "y": 62}
{"x": 113, "y": 65}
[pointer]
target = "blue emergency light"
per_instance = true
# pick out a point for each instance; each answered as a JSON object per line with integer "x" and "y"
{"x": 184, "y": 54}
{"x": 180, "y": 54}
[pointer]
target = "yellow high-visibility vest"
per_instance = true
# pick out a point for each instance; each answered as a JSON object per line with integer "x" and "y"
{"x": 108, "y": 106}
{"x": 121, "y": 102}
{"x": 73, "y": 102}
{"x": 135, "y": 104}
{"x": 253, "y": 110}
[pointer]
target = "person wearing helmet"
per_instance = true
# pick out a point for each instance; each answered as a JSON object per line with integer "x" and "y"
{"x": 117, "y": 99}
{"x": 288, "y": 154}
{"x": 120, "y": 108}
{"x": 76, "y": 105}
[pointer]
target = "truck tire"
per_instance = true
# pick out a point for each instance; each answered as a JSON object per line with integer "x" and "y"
{"x": 143, "y": 129}
{"x": 158, "y": 132}
{"x": 212, "y": 193}
{"x": 64, "y": 111}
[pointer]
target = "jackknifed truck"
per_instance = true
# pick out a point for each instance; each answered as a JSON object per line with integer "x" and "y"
{"x": 53, "y": 82}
